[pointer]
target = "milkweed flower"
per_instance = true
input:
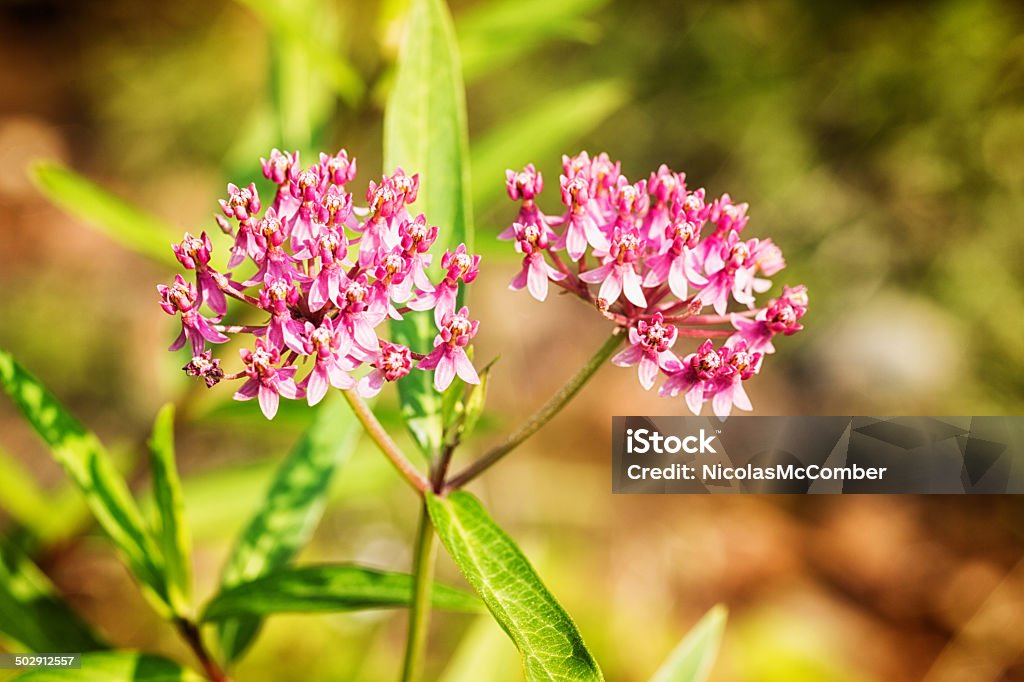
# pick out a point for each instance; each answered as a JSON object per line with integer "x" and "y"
{"x": 781, "y": 316}
{"x": 651, "y": 256}
{"x": 267, "y": 382}
{"x": 649, "y": 344}
{"x": 449, "y": 357}
{"x": 390, "y": 363}
{"x": 531, "y": 241}
{"x": 618, "y": 274}
{"x": 459, "y": 266}
{"x": 182, "y": 297}
{"x": 324, "y": 275}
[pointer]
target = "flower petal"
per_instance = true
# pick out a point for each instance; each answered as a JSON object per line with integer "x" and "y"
{"x": 647, "y": 371}
{"x": 316, "y": 385}
{"x": 268, "y": 401}
{"x": 444, "y": 373}
{"x": 465, "y": 368}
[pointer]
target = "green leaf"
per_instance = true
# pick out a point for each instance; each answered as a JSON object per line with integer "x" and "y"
{"x": 495, "y": 33}
{"x": 550, "y": 645}
{"x": 693, "y": 657}
{"x": 123, "y": 222}
{"x": 87, "y": 464}
{"x": 539, "y": 132}
{"x": 289, "y": 514}
{"x": 117, "y": 666}
{"x": 425, "y": 133}
{"x": 320, "y": 589}
{"x": 170, "y": 530}
{"x": 33, "y": 614}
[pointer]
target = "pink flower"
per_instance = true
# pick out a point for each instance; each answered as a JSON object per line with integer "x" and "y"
{"x": 449, "y": 358}
{"x": 532, "y": 241}
{"x": 767, "y": 257}
{"x": 393, "y": 280}
{"x": 728, "y": 216}
{"x": 338, "y": 169}
{"x": 581, "y": 228}
{"x": 715, "y": 375}
{"x": 272, "y": 259}
{"x": 416, "y": 239}
{"x": 329, "y": 348}
{"x": 334, "y": 208}
{"x": 387, "y": 212}
{"x": 726, "y": 389}
{"x": 459, "y": 265}
{"x": 278, "y": 297}
{"x": 317, "y": 303}
{"x": 358, "y": 314}
{"x": 649, "y": 350}
{"x": 655, "y": 263}
{"x": 618, "y": 274}
{"x": 730, "y": 270}
{"x": 276, "y": 168}
{"x": 181, "y": 297}
{"x": 391, "y": 363}
{"x": 692, "y": 378}
{"x": 242, "y": 203}
{"x": 678, "y": 265}
{"x": 307, "y": 188}
{"x": 194, "y": 254}
{"x": 525, "y": 185}
{"x": 332, "y": 249}
{"x": 265, "y": 380}
{"x": 780, "y": 317}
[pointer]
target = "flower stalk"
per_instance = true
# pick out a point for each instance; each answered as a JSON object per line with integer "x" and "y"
{"x": 419, "y": 610}
{"x": 542, "y": 416}
{"x": 384, "y": 442}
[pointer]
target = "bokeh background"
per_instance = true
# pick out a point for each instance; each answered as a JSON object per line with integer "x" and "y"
{"x": 881, "y": 144}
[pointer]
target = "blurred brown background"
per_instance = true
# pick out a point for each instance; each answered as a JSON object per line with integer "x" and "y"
{"x": 881, "y": 145}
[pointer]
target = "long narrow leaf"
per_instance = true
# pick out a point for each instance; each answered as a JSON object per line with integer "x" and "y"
{"x": 425, "y": 133}
{"x": 333, "y": 588}
{"x": 693, "y": 657}
{"x": 126, "y": 224}
{"x": 550, "y": 645}
{"x": 33, "y": 614}
{"x": 116, "y": 666}
{"x": 87, "y": 463}
{"x": 541, "y": 131}
{"x": 170, "y": 531}
{"x": 289, "y": 513}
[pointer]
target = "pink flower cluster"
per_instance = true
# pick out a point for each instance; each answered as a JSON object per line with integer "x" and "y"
{"x": 657, "y": 254}
{"x": 322, "y": 306}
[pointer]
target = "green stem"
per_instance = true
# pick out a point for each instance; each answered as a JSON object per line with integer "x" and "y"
{"x": 419, "y": 611}
{"x": 190, "y": 633}
{"x": 542, "y": 416}
{"x": 379, "y": 436}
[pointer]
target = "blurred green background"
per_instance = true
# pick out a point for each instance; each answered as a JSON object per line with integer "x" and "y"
{"x": 881, "y": 145}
